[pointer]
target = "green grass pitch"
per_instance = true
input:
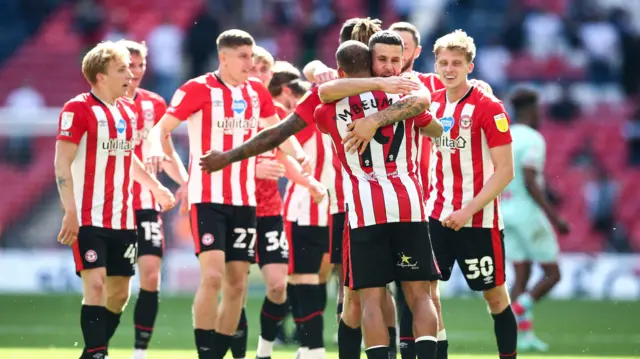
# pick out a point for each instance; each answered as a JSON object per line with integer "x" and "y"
{"x": 46, "y": 326}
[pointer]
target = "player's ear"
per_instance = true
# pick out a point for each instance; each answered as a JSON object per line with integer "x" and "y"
{"x": 341, "y": 73}
{"x": 418, "y": 51}
{"x": 471, "y": 67}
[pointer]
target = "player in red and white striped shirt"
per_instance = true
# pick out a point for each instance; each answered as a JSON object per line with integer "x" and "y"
{"x": 384, "y": 195}
{"x": 95, "y": 168}
{"x": 272, "y": 247}
{"x": 471, "y": 164}
{"x": 149, "y": 108}
{"x": 222, "y": 110}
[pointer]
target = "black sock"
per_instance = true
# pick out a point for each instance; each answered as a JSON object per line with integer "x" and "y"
{"x": 144, "y": 318}
{"x": 443, "y": 349}
{"x": 506, "y": 329}
{"x": 222, "y": 344}
{"x": 112, "y": 321}
{"x": 307, "y": 312}
{"x": 393, "y": 348}
{"x": 323, "y": 295}
{"x": 93, "y": 325}
{"x": 378, "y": 353}
{"x": 239, "y": 341}
{"x": 271, "y": 317}
{"x": 205, "y": 343}
{"x": 349, "y": 340}
{"x": 426, "y": 349}
{"x": 407, "y": 341}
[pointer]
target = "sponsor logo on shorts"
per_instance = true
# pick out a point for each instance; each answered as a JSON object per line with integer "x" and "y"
{"x": 488, "y": 279}
{"x": 207, "y": 239}
{"x": 405, "y": 262}
{"x": 90, "y": 256}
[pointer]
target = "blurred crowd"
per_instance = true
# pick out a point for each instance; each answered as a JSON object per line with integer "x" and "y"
{"x": 581, "y": 53}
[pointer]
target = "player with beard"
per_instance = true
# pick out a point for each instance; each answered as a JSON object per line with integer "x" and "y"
{"x": 378, "y": 193}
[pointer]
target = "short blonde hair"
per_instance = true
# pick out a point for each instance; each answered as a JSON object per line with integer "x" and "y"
{"x": 457, "y": 40}
{"x": 134, "y": 47}
{"x": 97, "y": 60}
{"x": 260, "y": 54}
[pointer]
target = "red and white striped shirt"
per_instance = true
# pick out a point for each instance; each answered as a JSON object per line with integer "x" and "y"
{"x": 102, "y": 168}
{"x": 298, "y": 203}
{"x": 149, "y": 108}
{"x": 267, "y": 193}
{"x": 305, "y": 109}
{"x": 432, "y": 82}
{"x": 221, "y": 117}
{"x": 460, "y": 159}
{"x": 382, "y": 185}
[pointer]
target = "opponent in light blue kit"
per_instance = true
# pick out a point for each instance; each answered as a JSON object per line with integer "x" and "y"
{"x": 528, "y": 218}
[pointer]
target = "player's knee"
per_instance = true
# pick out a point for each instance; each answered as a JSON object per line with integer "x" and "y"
{"x": 150, "y": 280}
{"x": 94, "y": 289}
{"x": 351, "y": 313}
{"x": 497, "y": 299}
{"x": 211, "y": 280}
{"x": 277, "y": 291}
{"x": 234, "y": 289}
{"x": 435, "y": 295}
{"x": 118, "y": 299}
{"x": 552, "y": 274}
{"x": 416, "y": 292}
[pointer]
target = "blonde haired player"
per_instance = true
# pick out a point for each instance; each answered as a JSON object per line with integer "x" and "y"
{"x": 149, "y": 108}
{"x": 95, "y": 168}
{"x": 471, "y": 164}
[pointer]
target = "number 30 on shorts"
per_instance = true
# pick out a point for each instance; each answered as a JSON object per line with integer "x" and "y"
{"x": 476, "y": 267}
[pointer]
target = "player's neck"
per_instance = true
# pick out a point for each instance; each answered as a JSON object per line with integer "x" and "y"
{"x": 131, "y": 93}
{"x": 104, "y": 95}
{"x": 228, "y": 80}
{"x": 454, "y": 94}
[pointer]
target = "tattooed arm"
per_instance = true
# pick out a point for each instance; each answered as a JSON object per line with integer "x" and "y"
{"x": 362, "y": 131}
{"x": 264, "y": 141}
{"x": 65, "y": 154}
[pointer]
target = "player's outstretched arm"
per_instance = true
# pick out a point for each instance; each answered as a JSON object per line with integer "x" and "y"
{"x": 264, "y": 141}
{"x": 65, "y": 154}
{"x": 167, "y": 124}
{"x": 361, "y": 131}
{"x": 341, "y": 88}
{"x": 160, "y": 192}
{"x": 290, "y": 146}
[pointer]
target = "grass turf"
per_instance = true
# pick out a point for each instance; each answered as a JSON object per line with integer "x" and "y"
{"x": 47, "y": 326}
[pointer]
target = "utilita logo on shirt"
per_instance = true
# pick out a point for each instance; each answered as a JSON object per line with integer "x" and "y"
{"x": 116, "y": 147}
{"x": 450, "y": 143}
{"x": 230, "y": 124}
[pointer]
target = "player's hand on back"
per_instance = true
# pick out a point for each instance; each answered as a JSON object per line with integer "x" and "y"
{"x": 70, "y": 228}
{"x": 317, "y": 190}
{"x": 324, "y": 75}
{"x": 213, "y": 161}
{"x": 269, "y": 170}
{"x": 561, "y": 225}
{"x": 164, "y": 197}
{"x": 399, "y": 85}
{"x": 360, "y": 133}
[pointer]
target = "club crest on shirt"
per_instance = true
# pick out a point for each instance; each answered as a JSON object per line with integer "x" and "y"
{"x": 447, "y": 123}
{"x": 465, "y": 122}
{"x": 502, "y": 124}
{"x": 239, "y": 106}
{"x": 121, "y": 126}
